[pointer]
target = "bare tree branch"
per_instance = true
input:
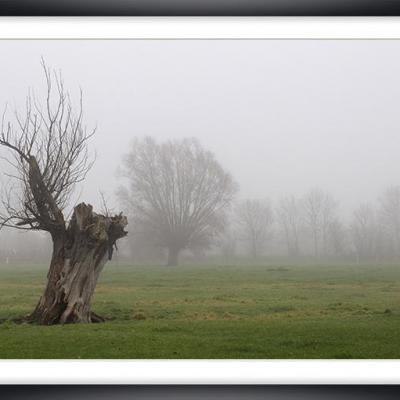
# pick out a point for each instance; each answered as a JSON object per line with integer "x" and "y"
{"x": 48, "y": 145}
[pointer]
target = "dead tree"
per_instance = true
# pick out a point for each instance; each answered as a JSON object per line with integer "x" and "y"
{"x": 49, "y": 156}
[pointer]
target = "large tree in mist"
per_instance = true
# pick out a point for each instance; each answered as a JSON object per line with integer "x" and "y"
{"x": 178, "y": 194}
{"x": 48, "y": 153}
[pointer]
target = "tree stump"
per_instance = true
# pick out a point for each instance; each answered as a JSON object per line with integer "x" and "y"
{"x": 79, "y": 255}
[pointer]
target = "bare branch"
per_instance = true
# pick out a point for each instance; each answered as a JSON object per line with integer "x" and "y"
{"x": 49, "y": 156}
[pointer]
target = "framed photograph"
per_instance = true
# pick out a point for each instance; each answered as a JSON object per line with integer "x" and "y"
{"x": 199, "y": 201}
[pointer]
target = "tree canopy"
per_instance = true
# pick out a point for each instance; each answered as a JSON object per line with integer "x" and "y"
{"x": 177, "y": 193}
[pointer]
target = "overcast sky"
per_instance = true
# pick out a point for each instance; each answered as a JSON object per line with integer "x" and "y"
{"x": 282, "y": 116}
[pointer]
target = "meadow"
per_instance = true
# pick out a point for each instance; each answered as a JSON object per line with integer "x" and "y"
{"x": 214, "y": 312}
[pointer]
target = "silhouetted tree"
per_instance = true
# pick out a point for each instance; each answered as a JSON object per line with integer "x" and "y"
{"x": 49, "y": 156}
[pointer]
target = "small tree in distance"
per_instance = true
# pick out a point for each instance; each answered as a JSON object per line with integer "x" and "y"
{"x": 289, "y": 216}
{"x": 178, "y": 194}
{"x": 365, "y": 232}
{"x": 254, "y": 219}
{"x": 319, "y": 212}
{"x": 390, "y": 216}
{"x": 49, "y": 155}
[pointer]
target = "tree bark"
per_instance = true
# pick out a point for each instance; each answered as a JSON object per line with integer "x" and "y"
{"x": 79, "y": 255}
{"x": 173, "y": 256}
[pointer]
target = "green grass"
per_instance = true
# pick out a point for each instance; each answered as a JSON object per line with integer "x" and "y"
{"x": 215, "y": 312}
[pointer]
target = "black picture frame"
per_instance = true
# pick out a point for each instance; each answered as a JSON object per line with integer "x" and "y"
{"x": 197, "y": 392}
{"x": 200, "y": 8}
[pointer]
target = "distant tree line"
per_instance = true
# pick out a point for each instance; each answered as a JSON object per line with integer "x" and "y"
{"x": 180, "y": 200}
{"x": 311, "y": 226}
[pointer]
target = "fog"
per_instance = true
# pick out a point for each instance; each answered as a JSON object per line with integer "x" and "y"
{"x": 283, "y": 116}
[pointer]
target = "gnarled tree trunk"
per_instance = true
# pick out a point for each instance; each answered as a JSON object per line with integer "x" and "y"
{"x": 79, "y": 255}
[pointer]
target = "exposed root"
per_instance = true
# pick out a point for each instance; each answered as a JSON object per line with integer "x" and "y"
{"x": 95, "y": 318}
{"x": 17, "y": 320}
{"x": 28, "y": 319}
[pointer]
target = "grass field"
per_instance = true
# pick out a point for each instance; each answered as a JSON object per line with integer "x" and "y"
{"x": 215, "y": 312}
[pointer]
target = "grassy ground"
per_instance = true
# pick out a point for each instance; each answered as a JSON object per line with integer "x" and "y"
{"x": 216, "y": 312}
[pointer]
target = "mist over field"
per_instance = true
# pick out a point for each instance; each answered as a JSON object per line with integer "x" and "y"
{"x": 199, "y": 199}
{"x": 297, "y": 124}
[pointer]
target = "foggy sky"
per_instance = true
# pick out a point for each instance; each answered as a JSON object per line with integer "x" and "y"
{"x": 282, "y": 116}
